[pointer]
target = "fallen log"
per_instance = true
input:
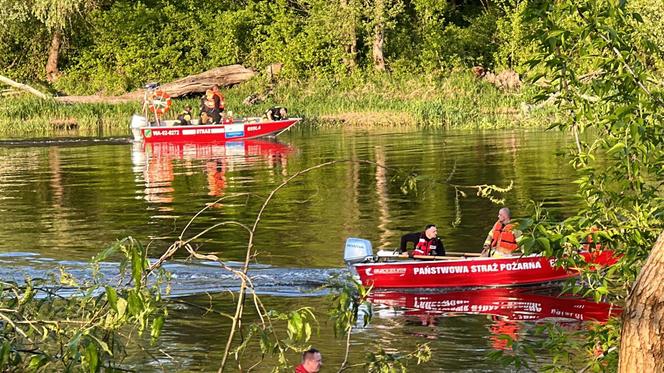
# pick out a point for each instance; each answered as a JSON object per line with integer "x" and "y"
{"x": 20, "y": 86}
{"x": 224, "y": 76}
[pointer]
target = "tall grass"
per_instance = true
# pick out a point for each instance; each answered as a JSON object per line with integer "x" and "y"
{"x": 457, "y": 100}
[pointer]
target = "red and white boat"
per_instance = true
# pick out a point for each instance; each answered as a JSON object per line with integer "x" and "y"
{"x": 512, "y": 304}
{"x": 248, "y": 128}
{"x": 381, "y": 272}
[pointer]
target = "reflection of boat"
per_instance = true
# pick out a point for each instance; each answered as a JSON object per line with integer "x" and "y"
{"x": 247, "y": 128}
{"x": 510, "y": 304}
{"x": 156, "y": 162}
{"x": 450, "y": 272}
{"x": 184, "y": 151}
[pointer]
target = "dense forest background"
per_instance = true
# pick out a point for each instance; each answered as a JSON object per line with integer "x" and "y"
{"x": 109, "y": 47}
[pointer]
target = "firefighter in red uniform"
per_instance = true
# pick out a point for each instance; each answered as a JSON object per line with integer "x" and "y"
{"x": 426, "y": 242}
{"x": 503, "y": 238}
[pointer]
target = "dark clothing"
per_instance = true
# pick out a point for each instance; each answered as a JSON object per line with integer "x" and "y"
{"x": 415, "y": 239}
{"x": 185, "y": 118}
{"x": 274, "y": 113}
{"x": 210, "y": 106}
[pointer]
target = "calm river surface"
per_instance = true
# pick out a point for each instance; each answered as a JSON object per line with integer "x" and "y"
{"x": 62, "y": 204}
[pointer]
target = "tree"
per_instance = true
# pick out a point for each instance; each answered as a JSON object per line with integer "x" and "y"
{"x": 381, "y": 16}
{"x": 55, "y": 16}
{"x": 596, "y": 64}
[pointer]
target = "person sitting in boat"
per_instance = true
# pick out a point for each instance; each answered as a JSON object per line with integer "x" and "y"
{"x": 217, "y": 92}
{"x": 210, "y": 108}
{"x": 185, "y": 117}
{"x": 276, "y": 113}
{"x": 503, "y": 238}
{"x": 425, "y": 242}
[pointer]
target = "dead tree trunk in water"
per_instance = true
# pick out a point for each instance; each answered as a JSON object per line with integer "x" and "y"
{"x": 52, "y": 71}
{"x": 642, "y": 337}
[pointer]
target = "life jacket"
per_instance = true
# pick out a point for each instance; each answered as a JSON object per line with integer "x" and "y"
{"x": 424, "y": 246}
{"x": 503, "y": 238}
{"x": 221, "y": 100}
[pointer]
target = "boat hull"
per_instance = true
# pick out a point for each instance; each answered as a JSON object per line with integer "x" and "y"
{"x": 474, "y": 272}
{"x": 214, "y": 132}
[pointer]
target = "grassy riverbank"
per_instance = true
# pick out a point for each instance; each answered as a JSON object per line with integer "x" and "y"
{"x": 457, "y": 100}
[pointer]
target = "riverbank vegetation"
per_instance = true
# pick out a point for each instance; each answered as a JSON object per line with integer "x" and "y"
{"x": 387, "y": 61}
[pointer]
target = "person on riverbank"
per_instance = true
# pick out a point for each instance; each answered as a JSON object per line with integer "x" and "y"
{"x": 425, "y": 242}
{"x": 185, "y": 116}
{"x": 311, "y": 361}
{"x": 210, "y": 108}
{"x": 503, "y": 237}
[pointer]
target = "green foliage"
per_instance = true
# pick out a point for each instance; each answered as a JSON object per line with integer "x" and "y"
{"x": 597, "y": 65}
{"x": 46, "y": 327}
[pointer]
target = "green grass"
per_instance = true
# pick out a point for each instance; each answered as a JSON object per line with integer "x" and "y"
{"x": 458, "y": 100}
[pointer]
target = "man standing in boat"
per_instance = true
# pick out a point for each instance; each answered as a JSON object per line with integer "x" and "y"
{"x": 503, "y": 238}
{"x": 425, "y": 242}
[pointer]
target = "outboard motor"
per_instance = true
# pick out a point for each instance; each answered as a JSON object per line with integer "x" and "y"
{"x": 357, "y": 250}
{"x": 137, "y": 121}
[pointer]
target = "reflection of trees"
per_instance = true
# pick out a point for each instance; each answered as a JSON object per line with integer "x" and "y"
{"x": 382, "y": 194}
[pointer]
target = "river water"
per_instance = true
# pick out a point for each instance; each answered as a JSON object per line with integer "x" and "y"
{"x": 62, "y": 203}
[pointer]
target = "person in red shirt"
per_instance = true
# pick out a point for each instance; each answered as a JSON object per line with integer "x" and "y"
{"x": 311, "y": 362}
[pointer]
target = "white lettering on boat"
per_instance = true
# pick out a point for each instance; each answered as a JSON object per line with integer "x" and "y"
{"x": 477, "y": 268}
{"x": 165, "y": 132}
{"x": 389, "y": 271}
{"x": 441, "y": 270}
{"x": 202, "y": 131}
{"x": 519, "y": 266}
{"x": 484, "y": 268}
{"x": 253, "y": 128}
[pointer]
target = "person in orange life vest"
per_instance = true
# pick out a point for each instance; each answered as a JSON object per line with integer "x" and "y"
{"x": 217, "y": 92}
{"x": 503, "y": 238}
{"x": 210, "y": 108}
{"x": 426, "y": 242}
{"x": 311, "y": 362}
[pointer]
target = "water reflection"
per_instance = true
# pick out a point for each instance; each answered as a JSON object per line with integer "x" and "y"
{"x": 507, "y": 309}
{"x": 157, "y": 162}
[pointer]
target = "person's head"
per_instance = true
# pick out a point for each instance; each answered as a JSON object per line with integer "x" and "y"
{"x": 504, "y": 215}
{"x": 312, "y": 360}
{"x": 431, "y": 231}
{"x": 215, "y": 88}
{"x": 283, "y": 112}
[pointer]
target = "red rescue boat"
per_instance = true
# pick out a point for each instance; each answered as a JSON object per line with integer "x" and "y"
{"x": 512, "y": 304}
{"x": 460, "y": 272}
{"x": 248, "y": 128}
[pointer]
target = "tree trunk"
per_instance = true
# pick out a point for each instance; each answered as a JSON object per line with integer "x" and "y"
{"x": 642, "y": 337}
{"x": 52, "y": 72}
{"x": 351, "y": 37}
{"x": 378, "y": 58}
